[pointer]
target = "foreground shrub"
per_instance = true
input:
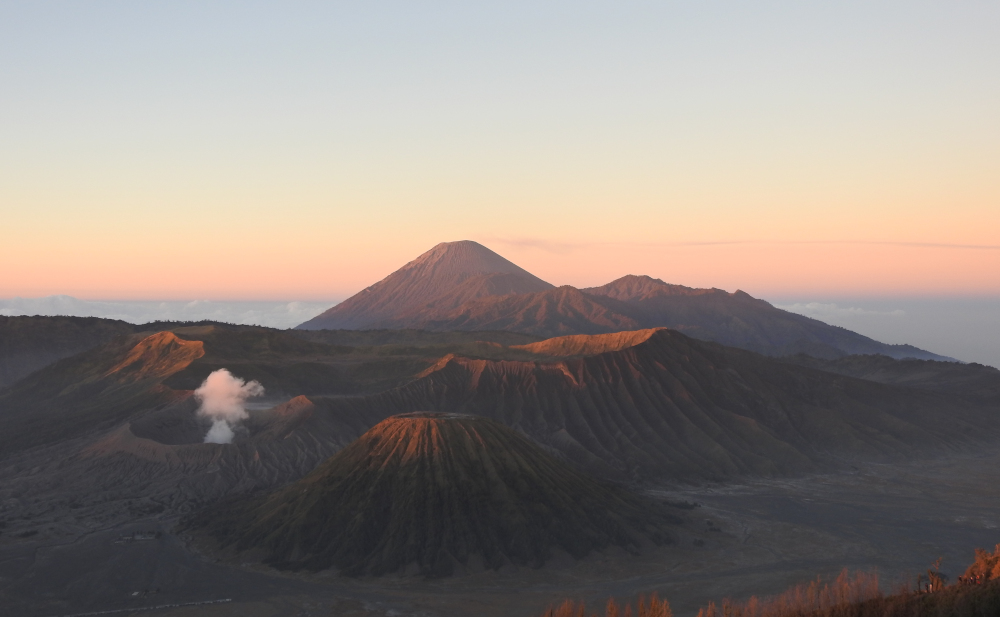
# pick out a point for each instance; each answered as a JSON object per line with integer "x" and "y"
{"x": 975, "y": 594}
{"x": 815, "y": 598}
{"x": 655, "y": 607}
{"x": 986, "y": 567}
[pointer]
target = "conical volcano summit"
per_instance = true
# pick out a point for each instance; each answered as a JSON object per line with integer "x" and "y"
{"x": 433, "y": 493}
{"x": 466, "y": 286}
{"x": 441, "y": 279}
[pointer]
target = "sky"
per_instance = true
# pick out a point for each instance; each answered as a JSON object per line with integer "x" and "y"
{"x": 300, "y": 151}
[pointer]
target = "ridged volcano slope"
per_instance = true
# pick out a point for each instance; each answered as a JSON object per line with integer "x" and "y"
{"x": 466, "y": 286}
{"x": 443, "y": 278}
{"x": 675, "y": 408}
{"x": 739, "y": 320}
{"x": 734, "y": 319}
{"x": 435, "y": 493}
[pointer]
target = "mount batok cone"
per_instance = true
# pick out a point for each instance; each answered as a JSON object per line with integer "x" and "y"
{"x": 432, "y": 494}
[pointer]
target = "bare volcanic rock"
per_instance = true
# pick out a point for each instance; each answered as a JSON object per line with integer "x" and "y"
{"x": 443, "y": 278}
{"x": 435, "y": 493}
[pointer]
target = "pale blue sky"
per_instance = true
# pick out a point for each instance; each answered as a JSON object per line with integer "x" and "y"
{"x": 303, "y": 150}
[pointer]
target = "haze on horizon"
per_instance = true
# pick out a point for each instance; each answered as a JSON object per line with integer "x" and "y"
{"x": 302, "y": 152}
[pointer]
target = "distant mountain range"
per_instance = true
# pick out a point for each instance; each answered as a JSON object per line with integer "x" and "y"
{"x": 466, "y": 286}
{"x": 641, "y": 405}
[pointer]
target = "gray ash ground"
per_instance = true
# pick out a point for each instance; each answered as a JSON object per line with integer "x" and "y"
{"x": 771, "y": 534}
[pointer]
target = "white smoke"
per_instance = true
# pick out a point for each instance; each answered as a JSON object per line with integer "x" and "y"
{"x": 222, "y": 397}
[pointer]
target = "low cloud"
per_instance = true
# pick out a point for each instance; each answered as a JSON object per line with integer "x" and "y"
{"x": 223, "y": 397}
{"x": 258, "y": 313}
{"x": 814, "y": 309}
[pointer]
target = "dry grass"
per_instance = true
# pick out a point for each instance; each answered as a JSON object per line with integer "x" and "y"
{"x": 815, "y": 598}
{"x": 975, "y": 594}
{"x": 653, "y": 607}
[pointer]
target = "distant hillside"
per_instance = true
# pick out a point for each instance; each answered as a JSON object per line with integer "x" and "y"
{"x": 970, "y": 381}
{"x": 463, "y": 286}
{"x": 740, "y": 320}
{"x": 659, "y": 404}
{"x": 88, "y": 392}
{"x": 29, "y": 343}
{"x": 433, "y": 494}
{"x": 92, "y": 390}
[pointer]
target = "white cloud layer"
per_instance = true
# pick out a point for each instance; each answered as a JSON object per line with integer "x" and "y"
{"x": 270, "y": 314}
{"x": 821, "y": 310}
{"x": 964, "y": 328}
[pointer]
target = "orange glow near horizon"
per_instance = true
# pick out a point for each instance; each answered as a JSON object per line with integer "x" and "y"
{"x": 763, "y": 269}
{"x": 304, "y": 153}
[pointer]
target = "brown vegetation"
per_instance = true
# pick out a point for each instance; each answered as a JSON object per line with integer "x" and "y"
{"x": 816, "y": 598}
{"x": 985, "y": 568}
{"x": 655, "y": 607}
{"x": 975, "y": 594}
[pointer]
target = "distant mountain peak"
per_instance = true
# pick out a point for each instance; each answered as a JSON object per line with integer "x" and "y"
{"x": 632, "y": 287}
{"x": 466, "y": 286}
{"x": 448, "y": 275}
{"x": 465, "y": 257}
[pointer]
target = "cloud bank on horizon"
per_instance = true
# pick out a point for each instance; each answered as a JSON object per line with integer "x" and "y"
{"x": 963, "y": 328}
{"x": 256, "y": 313}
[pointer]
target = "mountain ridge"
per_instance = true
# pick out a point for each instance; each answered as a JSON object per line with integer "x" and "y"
{"x": 464, "y": 286}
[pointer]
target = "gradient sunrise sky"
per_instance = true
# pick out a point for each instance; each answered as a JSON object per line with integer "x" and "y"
{"x": 304, "y": 150}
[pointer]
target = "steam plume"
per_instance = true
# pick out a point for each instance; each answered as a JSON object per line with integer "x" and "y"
{"x": 222, "y": 397}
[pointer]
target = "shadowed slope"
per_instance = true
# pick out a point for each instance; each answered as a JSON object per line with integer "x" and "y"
{"x": 94, "y": 389}
{"x": 465, "y": 286}
{"x": 436, "y": 492}
{"x": 675, "y": 408}
{"x": 970, "y": 381}
{"x": 446, "y": 276}
{"x": 29, "y": 343}
{"x": 740, "y": 320}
